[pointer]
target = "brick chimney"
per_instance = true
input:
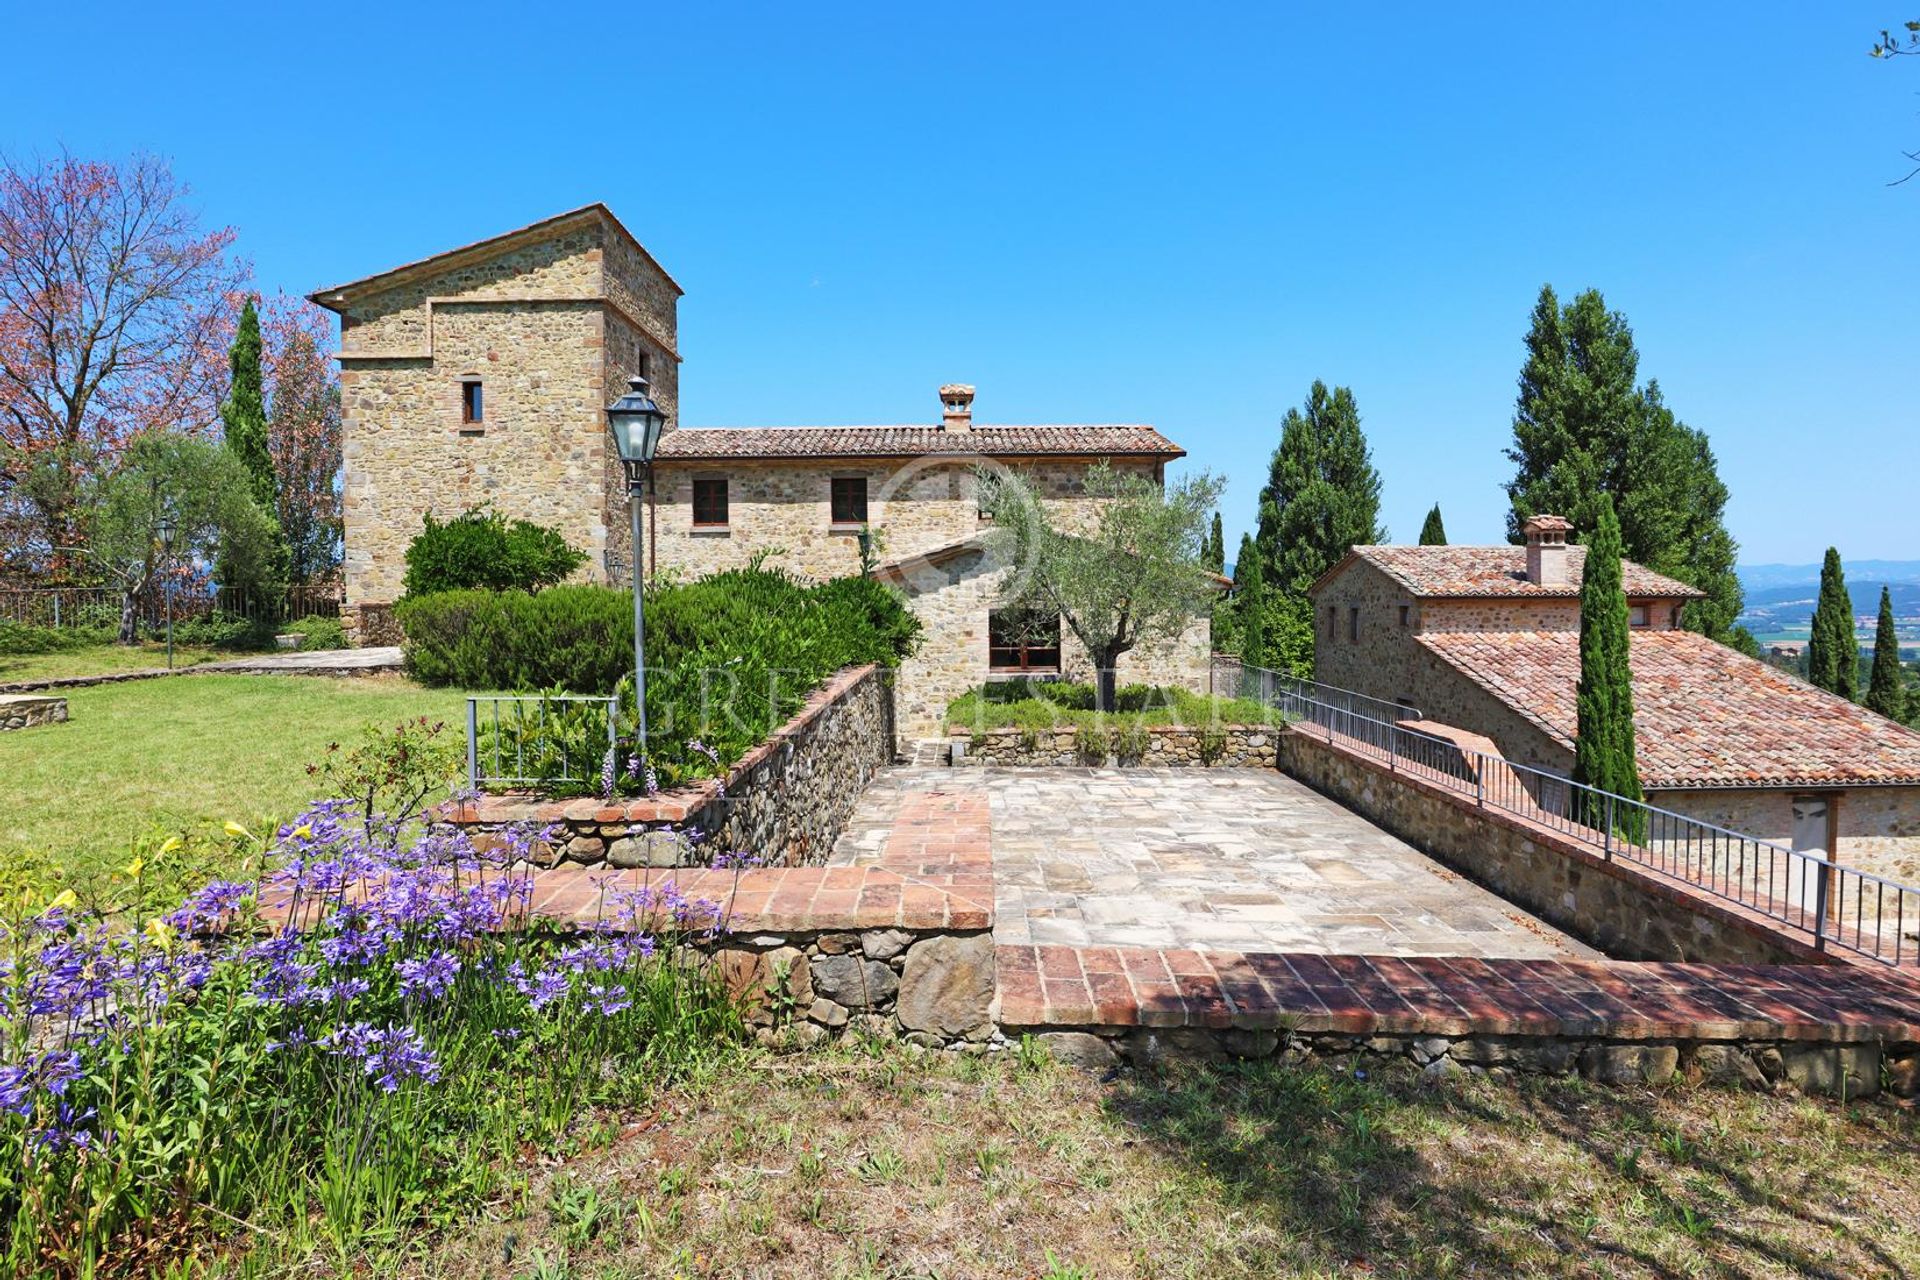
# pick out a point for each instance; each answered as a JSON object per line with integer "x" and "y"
{"x": 956, "y": 407}
{"x": 1547, "y": 550}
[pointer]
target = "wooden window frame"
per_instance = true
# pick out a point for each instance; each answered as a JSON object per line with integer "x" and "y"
{"x": 1020, "y": 655}
{"x": 696, "y": 501}
{"x": 473, "y": 404}
{"x": 834, "y": 514}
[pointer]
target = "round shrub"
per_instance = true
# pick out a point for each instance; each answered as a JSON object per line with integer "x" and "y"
{"x": 480, "y": 548}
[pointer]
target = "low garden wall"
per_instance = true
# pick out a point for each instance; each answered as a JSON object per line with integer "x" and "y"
{"x": 1621, "y": 909}
{"x": 784, "y": 803}
{"x": 25, "y": 711}
{"x": 1168, "y": 746}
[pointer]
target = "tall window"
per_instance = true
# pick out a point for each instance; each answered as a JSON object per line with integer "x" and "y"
{"x": 472, "y": 403}
{"x": 849, "y": 500}
{"x": 1023, "y": 640}
{"x": 1353, "y": 623}
{"x": 709, "y": 502}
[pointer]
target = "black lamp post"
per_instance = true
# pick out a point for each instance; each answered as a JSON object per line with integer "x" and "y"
{"x": 636, "y": 423}
{"x": 165, "y": 525}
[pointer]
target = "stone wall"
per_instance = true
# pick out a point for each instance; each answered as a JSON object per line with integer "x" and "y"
{"x": 784, "y": 803}
{"x": 28, "y": 710}
{"x": 1623, "y": 911}
{"x": 1160, "y": 746}
{"x": 932, "y": 988}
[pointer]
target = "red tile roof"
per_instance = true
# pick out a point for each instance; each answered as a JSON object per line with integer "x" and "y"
{"x": 1706, "y": 716}
{"x": 703, "y": 444}
{"x": 1480, "y": 572}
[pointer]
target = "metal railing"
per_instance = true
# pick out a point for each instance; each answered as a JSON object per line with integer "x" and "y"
{"x": 61, "y": 607}
{"x": 540, "y": 740}
{"x": 1837, "y": 905}
{"x": 1258, "y": 684}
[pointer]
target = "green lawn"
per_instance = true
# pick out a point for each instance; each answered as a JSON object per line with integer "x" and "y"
{"x": 104, "y": 659}
{"x": 150, "y": 754}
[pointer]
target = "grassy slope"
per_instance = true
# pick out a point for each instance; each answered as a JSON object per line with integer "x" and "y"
{"x": 184, "y": 751}
{"x": 843, "y": 1164}
{"x": 103, "y": 659}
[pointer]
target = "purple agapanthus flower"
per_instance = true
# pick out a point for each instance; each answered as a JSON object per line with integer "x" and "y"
{"x": 428, "y": 977}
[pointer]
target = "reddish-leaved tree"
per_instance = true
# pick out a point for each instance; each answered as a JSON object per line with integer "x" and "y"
{"x": 303, "y": 434}
{"x": 114, "y": 309}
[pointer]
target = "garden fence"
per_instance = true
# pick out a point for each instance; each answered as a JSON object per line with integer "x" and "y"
{"x": 1838, "y": 905}
{"x": 68, "y": 607}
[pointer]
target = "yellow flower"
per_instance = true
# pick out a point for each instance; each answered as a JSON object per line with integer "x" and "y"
{"x": 303, "y": 831}
{"x": 173, "y": 842}
{"x": 235, "y": 829}
{"x": 66, "y": 899}
{"x": 160, "y": 933}
{"x": 133, "y": 869}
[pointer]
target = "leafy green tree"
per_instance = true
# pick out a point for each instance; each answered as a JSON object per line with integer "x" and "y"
{"x": 1133, "y": 575}
{"x": 1322, "y": 498}
{"x": 1833, "y": 650}
{"x": 1584, "y": 427}
{"x": 1886, "y": 690}
{"x": 203, "y": 488}
{"x": 1433, "y": 533}
{"x": 1604, "y": 755}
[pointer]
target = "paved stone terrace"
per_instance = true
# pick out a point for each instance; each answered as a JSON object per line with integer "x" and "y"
{"x": 1234, "y": 859}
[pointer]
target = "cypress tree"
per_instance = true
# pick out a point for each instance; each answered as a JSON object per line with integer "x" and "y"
{"x": 1833, "y": 650}
{"x": 1216, "y": 553}
{"x": 1886, "y": 693}
{"x": 1583, "y": 425}
{"x": 244, "y": 411}
{"x": 1252, "y": 612}
{"x": 1604, "y": 755}
{"x": 1433, "y": 533}
{"x": 1322, "y": 498}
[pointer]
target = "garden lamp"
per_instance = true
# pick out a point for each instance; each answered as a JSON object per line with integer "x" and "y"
{"x": 165, "y": 526}
{"x": 636, "y": 423}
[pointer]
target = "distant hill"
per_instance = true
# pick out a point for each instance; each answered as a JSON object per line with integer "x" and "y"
{"x": 1780, "y": 597}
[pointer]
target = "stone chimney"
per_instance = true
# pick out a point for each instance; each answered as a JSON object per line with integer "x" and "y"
{"x": 956, "y": 407}
{"x": 1547, "y": 550}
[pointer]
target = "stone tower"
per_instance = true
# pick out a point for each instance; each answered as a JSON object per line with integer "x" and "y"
{"x": 481, "y": 376}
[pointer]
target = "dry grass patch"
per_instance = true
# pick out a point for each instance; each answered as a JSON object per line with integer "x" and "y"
{"x": 885, "y": 1163}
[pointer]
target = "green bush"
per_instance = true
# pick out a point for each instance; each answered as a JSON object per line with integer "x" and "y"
{"x": 218, "y": 631}
{"x": 17, "y": 638}
{"x": 729, "y": 657}
{"x": 1049, "y": 704}
{"x": 318, "y": 632}
{"x": 480, "y": 548}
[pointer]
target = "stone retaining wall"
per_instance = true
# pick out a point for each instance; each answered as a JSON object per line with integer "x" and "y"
{"x": 22, "y": 711}
{"x": 929, "y": 988}
{"x": 1845, "y": 1070}
{"x": 784, "y": 803}
{"x": 1166, "y": 746}
{"x": 1627, "y": 912}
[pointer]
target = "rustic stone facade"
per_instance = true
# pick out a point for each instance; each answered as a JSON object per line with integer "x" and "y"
{"x": 1876, "y": 829}
{"x": 25, "y": 710}
{"x": 550, "y": 321}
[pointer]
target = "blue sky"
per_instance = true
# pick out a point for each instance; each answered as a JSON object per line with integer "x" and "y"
{"x": 1173, "y": 214}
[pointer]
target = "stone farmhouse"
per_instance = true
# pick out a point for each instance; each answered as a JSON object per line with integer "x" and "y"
{"x": 1488, "y": 639}
{"x": 481, "y": 375}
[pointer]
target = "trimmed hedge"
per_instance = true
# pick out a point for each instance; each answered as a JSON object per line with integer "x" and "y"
{"x": 729, "y": 657}
{"x": 480, "y": 548}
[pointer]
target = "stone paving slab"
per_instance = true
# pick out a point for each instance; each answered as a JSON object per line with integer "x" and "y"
{"x": 1212, "y": 860}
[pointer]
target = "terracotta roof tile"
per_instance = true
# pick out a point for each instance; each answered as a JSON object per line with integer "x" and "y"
{"x": 1706, "y": 716}
{"x": 1430, "y": 572}
{"x": 700, "y": 444}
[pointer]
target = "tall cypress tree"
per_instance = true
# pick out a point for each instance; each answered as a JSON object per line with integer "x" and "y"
{"x": 1434, "y": 533}
{"x": 1886, "y": 692}
{"x": 244, "y": 411}
{"x": 1322, "y": 498}
{"x": 1604, "y": 755}
{"x": 1216, "y": 554}
{"x": 1833, "y": 650}
{"x": 1252, "y": 611}
{"x": 1583, "y": 426}
{"x": 244, "y": 416}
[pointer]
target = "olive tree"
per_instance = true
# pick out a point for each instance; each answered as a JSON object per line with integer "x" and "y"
{"x": 204, "y": 489}
{"x": 1126, "y": 568}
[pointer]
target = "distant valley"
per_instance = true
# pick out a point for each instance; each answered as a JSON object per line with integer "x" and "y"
{"x": 1780, "y": 598}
